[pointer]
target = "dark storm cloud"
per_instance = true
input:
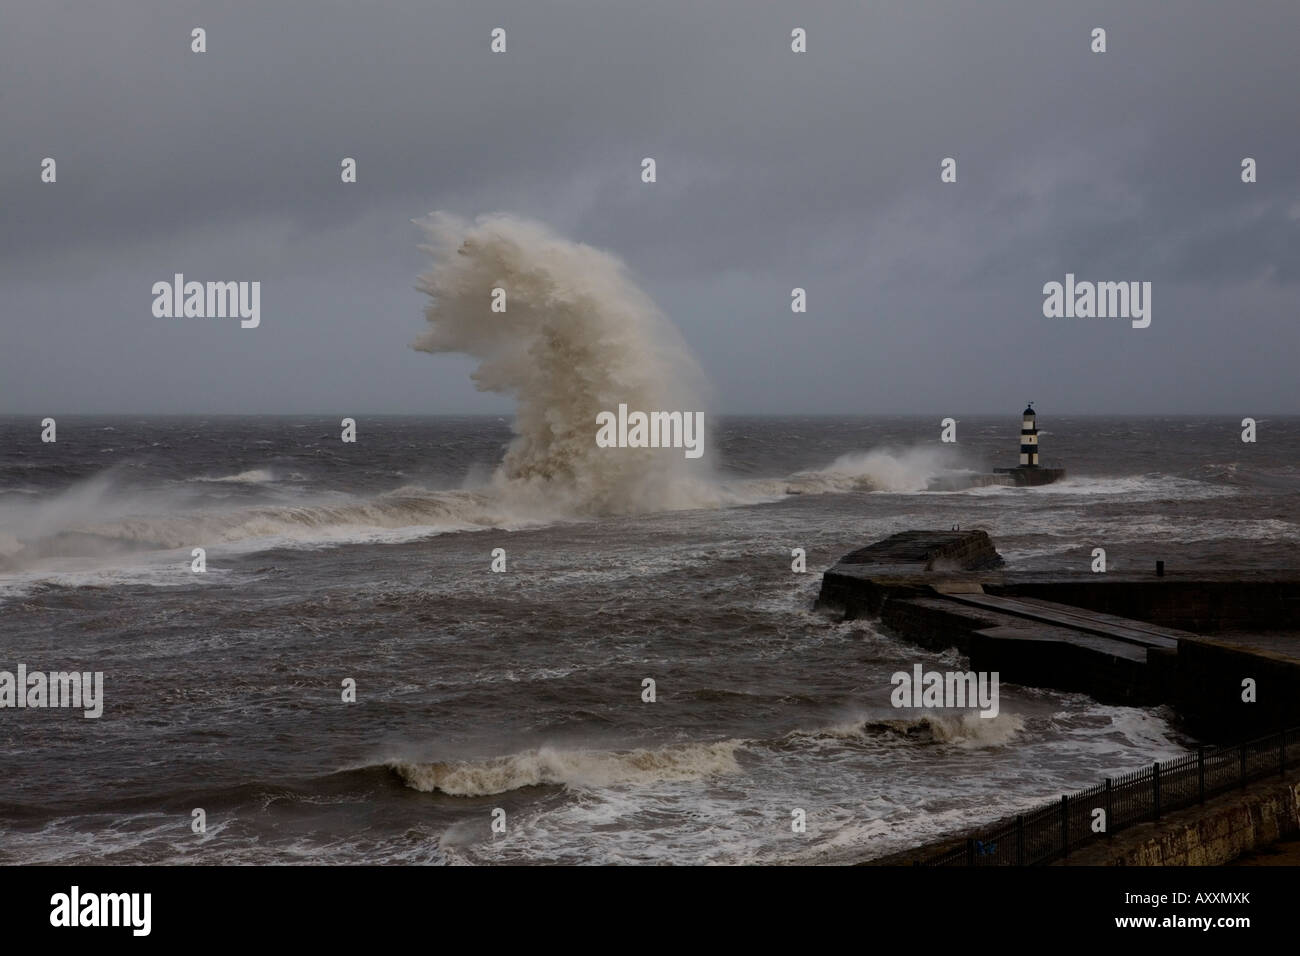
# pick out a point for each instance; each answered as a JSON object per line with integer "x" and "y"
{"x": 818, "y": 170}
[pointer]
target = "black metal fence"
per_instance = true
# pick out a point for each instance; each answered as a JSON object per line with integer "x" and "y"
{"x": 1052, "y": 831}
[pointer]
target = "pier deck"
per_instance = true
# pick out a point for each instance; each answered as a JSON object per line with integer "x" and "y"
{"x": 1079, "y": 619}
{"x": 1189, "y": 640}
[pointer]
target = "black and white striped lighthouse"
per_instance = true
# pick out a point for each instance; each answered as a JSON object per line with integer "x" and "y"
{"x": 1028, "y": 471}
{"x": 1029, "y": 439}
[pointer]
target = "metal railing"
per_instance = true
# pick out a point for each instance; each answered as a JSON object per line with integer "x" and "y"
{"x": 1051, "y": 831}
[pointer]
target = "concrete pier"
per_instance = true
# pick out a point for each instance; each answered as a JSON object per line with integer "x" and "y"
{"x": 1190, "y": 639}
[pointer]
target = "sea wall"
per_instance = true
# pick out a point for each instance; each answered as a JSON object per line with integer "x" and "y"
{"x": 1210, "y": 835}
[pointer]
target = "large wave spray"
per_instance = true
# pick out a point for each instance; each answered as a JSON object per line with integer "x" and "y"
{"x": 577, "y": 337}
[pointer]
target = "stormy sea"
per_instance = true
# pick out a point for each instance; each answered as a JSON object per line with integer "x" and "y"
{"x": 434, "y": 643}
{"x": 522, "y": 690}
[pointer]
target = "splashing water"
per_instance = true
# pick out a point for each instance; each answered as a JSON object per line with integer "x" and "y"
{"x": 576, "y": 337}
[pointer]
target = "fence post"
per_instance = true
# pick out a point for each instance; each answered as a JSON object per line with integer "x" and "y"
{"x": 1200, "y": 772}
{"x": 1110, "y": 822}
{"x": 1243, "y": 765}
{"x": 1155, "y": 791}
{"x": 1020, "y": 839}
{"x": 1065, "y": 824}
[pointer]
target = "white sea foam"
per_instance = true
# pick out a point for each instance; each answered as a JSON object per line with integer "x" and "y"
{"x": 253, "y": 476}
{"x": 965, "y": 729}
{"x": 571, "y": 768}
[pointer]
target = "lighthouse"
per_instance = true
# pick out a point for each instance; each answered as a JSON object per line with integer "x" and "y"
{"x": 1028, "y": 472}
{"x": 1029, "y": 438}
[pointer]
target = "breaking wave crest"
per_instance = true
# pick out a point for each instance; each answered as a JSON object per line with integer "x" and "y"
{"x": 99, "y": 517}
{"x": 680, "y": 762}
{"x": 571, "y": 768}
{"x": 894, "y": 470}
{"x": 406, "y": 508}
{"x": 253, "y": 476}
{"x": 965, "y": 729}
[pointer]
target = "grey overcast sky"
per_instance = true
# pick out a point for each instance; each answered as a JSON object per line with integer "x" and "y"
{"x": 775, "y": 169}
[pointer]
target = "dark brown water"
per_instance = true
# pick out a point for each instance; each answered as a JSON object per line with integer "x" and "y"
{"x": 522, "y": 691}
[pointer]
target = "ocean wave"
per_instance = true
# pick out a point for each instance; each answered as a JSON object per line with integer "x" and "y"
{"x": 402, "y": 514}
{"x": 579, "y": 338}
{"x": 571, "y": 768}
{"x": 98, "y": 517}
{"x": 966, "y": 729}
{"x": 682, "y": 762}
{"x": 890, "y": 470}
{"x": 253, "y": 476}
